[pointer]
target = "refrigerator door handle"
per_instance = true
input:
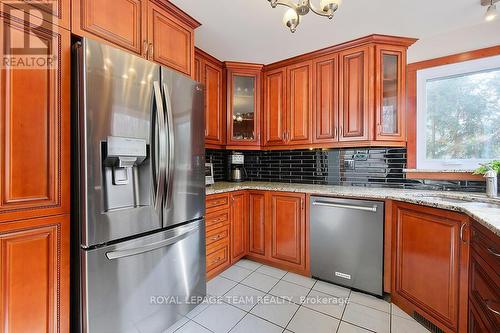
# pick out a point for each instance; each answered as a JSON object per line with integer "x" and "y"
{"x": 161, "y": 151}
{"x": 182, "y": 233}
{"x": 171, "y": 146}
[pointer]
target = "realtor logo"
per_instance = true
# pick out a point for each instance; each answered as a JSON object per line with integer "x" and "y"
{"x": 27, "y": 36}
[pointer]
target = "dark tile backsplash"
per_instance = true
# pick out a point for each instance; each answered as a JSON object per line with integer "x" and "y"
{"x": 372, "y": 167}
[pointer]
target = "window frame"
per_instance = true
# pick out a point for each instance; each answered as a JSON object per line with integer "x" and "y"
{"x": 445, "y": 71}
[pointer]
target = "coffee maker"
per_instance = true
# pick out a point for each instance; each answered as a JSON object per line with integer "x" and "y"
{"x": 237, "y": 172}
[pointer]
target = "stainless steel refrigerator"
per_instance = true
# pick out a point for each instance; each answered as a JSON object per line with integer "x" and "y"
{"x": 139, "y": 192}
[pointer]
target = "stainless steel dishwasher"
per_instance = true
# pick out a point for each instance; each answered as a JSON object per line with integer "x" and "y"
{"x": 347, "y": 242}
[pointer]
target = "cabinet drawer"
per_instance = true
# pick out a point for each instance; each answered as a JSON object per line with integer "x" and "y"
{"x": 216, "y": 202}
{"x": 218, "y": 217}
{"x": 221, "y": 233}
{"x": 217, "y": 256}
{"x": 486, "y": 244}
{"x": 485, "y": 291}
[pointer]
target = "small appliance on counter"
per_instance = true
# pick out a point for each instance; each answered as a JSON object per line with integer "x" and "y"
{"x": 237, "y": 172}
{"x": 209, "y": 174}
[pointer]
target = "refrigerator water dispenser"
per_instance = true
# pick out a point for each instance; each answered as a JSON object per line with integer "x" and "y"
{"x": 123, "y": 161}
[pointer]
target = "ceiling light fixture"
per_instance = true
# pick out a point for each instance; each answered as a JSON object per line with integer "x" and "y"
{"x": 291, "y": 19}
{"x": 491, "y": 12}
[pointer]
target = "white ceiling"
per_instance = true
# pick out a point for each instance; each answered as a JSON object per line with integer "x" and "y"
{"x": 252, "y": 31}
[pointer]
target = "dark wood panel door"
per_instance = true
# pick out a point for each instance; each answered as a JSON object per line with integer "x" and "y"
{"x": 299, "y": 108}
{"x": 34, "y": 275}
{"x": 257, "y": 221}
{"x": 275, "y": 107}
{"x": 239, "y": 225}
{"x": 354, "y": 113}
{"x": 35, "y": 125}
{"x": 119, "y": 22}
{"x": 390, "y": 94}
{"x": 430, "y": 264}
{"x": 54, "y": 11}
{"x": 325, "y": 109}
{"x": 171, "y": 40}
{"x": 287, "y": 222}
{"x": 214, "y": 120}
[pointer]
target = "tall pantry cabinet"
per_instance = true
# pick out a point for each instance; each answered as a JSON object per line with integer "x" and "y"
{"x": 35, "y": 169}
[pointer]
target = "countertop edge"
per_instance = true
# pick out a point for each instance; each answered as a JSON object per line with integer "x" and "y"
{"x": 409, "y": 196}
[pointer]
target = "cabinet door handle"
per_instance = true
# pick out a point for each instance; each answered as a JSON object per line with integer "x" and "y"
{"x": 462, "y": 227}
{"x": 151, "y": 49}
{"x": 341, "y": 131}
{"x": 335, "y": 132}
{"x": 490, "y": 250}
{"x": 490, "y": 308}
{"x": 146, "y": 46}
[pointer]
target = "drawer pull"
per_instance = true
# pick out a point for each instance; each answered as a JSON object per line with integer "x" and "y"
{"x": 490, "y": 308}
{"x": 216, "y": 237}
{"x": 216, "y": 260}
{"x": 493, "y": 252}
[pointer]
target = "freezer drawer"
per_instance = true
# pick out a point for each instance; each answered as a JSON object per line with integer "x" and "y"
{"x": 346, "y": 242}
{"x": 122, "y": 284}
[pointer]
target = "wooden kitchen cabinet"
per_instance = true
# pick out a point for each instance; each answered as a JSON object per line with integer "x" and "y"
{"x": 326, "y": 99}
{"x": 212, "y": 76}
{"x": 171, "y": 41}
{"x": 430, "y": 264}
{"x": 288, "y": 229}
{"x": 484, "y": 282}
{"x": 35, "y": 275}
{"x": 390, "y": 98}
{"x": 35, "y": 127}
{"x": 218, "y": 233}
{"x": 351, "y": 95}
{"x": 257, "y": 224}
{"x": 243, "y": 105}
{"x": 35, "y": 180}
{"x": 55, "y": 12}
{"x": 156, "y": 30}
{"x": 275, "y": 107}
{"x": 299, "y": 107}
{"x": 354, "y": 106}
{"x": 288, "y": 105}
{"x": 118, "y": 22}
{"x": 239, "y": 225}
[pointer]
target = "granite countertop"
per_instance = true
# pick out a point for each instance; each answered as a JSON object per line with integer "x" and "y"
{"x": 477, "y": 205}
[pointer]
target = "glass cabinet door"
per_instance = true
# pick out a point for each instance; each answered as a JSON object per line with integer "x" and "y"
{"x": 390, "y": 108}
{"x": 243, "y": 112}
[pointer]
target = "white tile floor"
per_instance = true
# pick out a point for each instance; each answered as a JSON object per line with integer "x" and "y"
{"x": 256, "y": 298}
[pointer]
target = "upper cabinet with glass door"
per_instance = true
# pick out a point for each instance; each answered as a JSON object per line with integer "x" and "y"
{"x": 243, "y": 108}
{"x": 390, "y": 93}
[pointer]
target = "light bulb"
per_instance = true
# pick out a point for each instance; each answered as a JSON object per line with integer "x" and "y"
{"x": 325, "y": 5}
{"x": 491, "y": 13}
{"x": 291, "y": 19}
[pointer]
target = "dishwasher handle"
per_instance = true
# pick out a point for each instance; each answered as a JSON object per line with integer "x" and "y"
{"x": 347, "y": 206}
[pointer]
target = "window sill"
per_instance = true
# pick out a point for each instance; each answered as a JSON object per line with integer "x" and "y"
{"x": 442, "y": 174}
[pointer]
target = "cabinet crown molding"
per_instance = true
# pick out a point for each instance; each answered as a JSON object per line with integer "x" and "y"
{"x": 178, "y": 13}
{"x": 370, "y": 39}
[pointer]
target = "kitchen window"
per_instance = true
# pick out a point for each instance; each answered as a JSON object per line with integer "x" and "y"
{"x": 458, "y": 115}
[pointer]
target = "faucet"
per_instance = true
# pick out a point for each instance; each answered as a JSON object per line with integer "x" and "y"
{"x": 491, "y": 182}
